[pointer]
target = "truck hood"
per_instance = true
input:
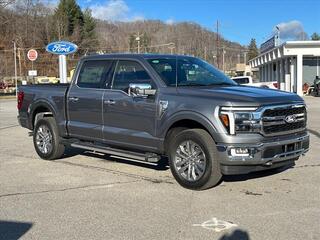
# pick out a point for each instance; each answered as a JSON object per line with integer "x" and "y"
{"x": 241, "y": 95}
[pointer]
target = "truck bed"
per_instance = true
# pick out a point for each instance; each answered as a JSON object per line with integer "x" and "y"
{"x": 54, "y": 97}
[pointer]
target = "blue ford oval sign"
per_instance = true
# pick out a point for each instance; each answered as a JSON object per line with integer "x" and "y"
{"x": 61, "y": 48}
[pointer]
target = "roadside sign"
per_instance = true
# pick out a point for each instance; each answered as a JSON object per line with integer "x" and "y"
{"x": 32, "y": 54}
{"x": 268, "y": 45}
{"x": 32, "y": 73}
{"x": 61, "y": 48}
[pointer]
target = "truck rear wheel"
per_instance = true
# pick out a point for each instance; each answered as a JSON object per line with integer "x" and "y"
{"x": 46, "y": 139}
{"x": 193, "y": 159}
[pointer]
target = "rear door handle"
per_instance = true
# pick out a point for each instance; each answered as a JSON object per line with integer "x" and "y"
{"x": 110, "y": 102}
{"x": 73, "y": 99}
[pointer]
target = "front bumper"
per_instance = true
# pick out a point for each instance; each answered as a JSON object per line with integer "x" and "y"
{"x": 270, "y": 153}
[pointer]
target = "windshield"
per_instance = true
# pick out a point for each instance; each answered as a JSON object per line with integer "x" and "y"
{"x": 188, "y": 72}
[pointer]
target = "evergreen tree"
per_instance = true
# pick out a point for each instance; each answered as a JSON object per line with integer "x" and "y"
{"x": 315, "y": 36}
{"x": 74, "y": 25}
{"x": 69, "y": 18}
{"x": 89, "y": 36}
{"x": 252, "y": 49}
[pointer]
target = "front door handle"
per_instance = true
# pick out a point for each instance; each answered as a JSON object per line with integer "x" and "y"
{"x": 73, "y": 99}
{"x": 110, "y": 102}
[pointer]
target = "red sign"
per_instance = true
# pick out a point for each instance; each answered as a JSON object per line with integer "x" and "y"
{"x": 32, "y": 55}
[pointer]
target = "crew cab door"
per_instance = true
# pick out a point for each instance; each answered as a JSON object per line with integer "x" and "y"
{"x": 129, "y": 121}
{"x": 84, "y": 99}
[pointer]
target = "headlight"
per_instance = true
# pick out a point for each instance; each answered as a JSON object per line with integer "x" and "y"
{"x": 240, "y": 119}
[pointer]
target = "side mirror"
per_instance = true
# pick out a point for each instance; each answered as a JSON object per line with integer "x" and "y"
{"x": 141, "y": 90}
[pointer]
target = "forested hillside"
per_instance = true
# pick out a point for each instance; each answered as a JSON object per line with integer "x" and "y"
{"x": 33, "y": 24}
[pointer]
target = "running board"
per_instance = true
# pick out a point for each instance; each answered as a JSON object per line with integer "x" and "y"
{"x": 147, "y": 157}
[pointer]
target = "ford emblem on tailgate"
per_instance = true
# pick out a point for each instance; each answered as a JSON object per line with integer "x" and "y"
{"x": 290, "y": 118}
{"x": 61, "y": 48}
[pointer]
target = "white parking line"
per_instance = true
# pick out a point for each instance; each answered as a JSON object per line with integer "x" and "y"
{"x": 216, "y": 225}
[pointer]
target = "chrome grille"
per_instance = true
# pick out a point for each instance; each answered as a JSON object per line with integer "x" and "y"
{"x": 285, "y": 119}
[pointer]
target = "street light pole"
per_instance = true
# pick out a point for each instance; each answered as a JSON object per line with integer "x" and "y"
{"x": 171, "y": 47}
{"x": 214, "y": 57}
{"x": 15, "y": 66}
{"x": 278, "y": 35}
{"x": 138, "y": 39}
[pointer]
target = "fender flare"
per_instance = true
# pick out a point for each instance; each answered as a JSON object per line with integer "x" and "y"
{"x": 40, "y": 103}
{"x": 190, "y": 115}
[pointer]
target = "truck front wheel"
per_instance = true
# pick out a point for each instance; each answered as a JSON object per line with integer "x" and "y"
{"x": 46, "y": 139}
{"x": 193, "y": 159}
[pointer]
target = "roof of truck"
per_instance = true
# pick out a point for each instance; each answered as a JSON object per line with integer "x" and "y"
{"x": 133, "y": 55}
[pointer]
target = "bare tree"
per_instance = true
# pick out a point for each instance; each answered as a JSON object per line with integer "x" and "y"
{"x": 5, "y": 3}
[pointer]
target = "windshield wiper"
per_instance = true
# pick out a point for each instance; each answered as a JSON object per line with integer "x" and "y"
{"x": 191, "y": 84}
{"x": 220, "y": 84}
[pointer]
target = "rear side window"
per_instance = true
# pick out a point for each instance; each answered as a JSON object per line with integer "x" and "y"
{"x": 129, "y": 72}
{"x": 241, "y": 80}
{"x": 94, "y": 73}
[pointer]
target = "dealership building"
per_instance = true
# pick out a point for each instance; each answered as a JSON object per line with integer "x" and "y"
{"x": 292, "y": 64}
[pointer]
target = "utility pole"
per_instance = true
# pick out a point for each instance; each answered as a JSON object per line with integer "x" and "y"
{"x": 238, "y": 58}
{"x": 217, "y": 44}
{"x": 19, "y": 57}
{"x": 245, "y": 57}
{"x": 205, "y": 53}
{"x": 223, "y": 65}
{"x": 15, "y": 66}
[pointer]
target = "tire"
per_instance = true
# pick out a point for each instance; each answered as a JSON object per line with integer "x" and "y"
{"x": 46, "y": 139}
{"x": 173, "y": 132}
{"x": 204, "y": 170}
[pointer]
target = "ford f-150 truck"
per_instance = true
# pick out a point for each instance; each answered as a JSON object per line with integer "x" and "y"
{"x": 147, "y": 107}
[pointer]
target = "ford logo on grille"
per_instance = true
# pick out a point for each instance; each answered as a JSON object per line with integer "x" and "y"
{"x": 290, "y": 118}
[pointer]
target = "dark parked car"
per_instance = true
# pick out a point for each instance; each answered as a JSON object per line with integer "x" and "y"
{"x": 148, "y": 106}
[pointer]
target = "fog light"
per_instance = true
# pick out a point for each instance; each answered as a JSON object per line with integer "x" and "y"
{"x": 240, "y": 152}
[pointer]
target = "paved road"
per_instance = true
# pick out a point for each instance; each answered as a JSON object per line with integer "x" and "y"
{"x": 93, "y": 196}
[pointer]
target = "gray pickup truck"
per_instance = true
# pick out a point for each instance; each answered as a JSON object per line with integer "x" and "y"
{"x": 147, "y": 107}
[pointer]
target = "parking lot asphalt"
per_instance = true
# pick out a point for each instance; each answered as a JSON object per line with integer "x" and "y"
{"x": 88, "y": 195}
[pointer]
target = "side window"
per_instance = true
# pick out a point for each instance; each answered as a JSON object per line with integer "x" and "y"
{"x": 94, "y": 73}
{"x": 241, "y": 80}
{"x": 166, "y": 68}
{"x": 129, "y": 72}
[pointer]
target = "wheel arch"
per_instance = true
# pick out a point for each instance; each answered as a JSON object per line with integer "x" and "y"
{"x": 43, "y": 107}
{"x": 188, "y": 120}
